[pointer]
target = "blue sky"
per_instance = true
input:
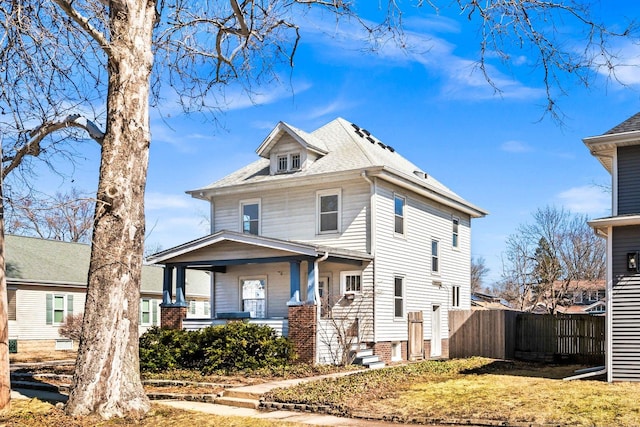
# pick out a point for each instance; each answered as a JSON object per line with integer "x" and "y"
{"x": 492, "y": 149}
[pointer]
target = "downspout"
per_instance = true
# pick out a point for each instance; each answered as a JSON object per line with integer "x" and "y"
{"x": 316, "y": 296}
{"x": 372, "y": 243}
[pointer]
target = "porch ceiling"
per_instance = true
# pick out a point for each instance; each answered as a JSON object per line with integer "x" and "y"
{"x": 231, "y": 248}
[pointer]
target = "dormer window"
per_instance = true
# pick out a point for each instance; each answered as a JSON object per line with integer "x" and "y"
{"x": 287, "y": 162}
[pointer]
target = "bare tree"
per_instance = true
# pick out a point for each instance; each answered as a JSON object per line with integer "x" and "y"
{"x": 66, "y": 216}
{"x": 479, "y": 270}
{"x": 107, "y": 60}
{"x": 546, "y": 258}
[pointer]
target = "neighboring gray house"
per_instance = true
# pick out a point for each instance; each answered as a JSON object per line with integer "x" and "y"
{"x": 335, "y": 239}
{"x": 619, "y": 152}
{"x": 47, "y": 280}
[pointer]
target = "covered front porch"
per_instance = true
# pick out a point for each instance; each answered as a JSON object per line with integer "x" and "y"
{"x": 256, "y": 279}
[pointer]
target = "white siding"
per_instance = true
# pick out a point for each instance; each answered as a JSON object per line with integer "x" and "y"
{"x": 31, "y": 313}
{"x": 409, "y": 256}
{"x": 290, "y": 214}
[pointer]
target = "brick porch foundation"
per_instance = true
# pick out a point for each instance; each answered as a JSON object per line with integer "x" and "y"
{"x": 171, "y": 316}
{"x": 302, "y": 331}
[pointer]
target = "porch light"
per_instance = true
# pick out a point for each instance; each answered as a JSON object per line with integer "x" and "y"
{"x": 632, "y": 261}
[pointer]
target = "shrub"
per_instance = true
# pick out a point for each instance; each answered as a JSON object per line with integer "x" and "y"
{"x": 234, "y": 347}
{"x": 71, "y": 327}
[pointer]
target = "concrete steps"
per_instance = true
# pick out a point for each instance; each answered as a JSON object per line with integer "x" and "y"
{"x": 367, "y": 359}
{"x": 238, "y": 402}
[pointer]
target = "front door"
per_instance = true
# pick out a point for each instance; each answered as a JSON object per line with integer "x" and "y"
{"x": 436, "y": 339}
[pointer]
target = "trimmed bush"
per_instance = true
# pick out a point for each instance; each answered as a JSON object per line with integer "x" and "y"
{"x": 234, "y": 347}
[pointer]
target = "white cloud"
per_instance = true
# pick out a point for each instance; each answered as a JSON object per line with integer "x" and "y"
{"x": 626, "y": 65}
{"x": 514, "y": 146}
{"x": 588, "y": 199}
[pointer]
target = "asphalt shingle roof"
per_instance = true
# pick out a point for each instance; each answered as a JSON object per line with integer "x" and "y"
{"x": 52, "y": 261}
{"x": 630, "y": 125}
{"x": 349, "y": 147}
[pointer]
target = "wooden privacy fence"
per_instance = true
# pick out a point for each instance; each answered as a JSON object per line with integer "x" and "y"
{"x": 576, "y": 338}
{"x": 505, "y": 334}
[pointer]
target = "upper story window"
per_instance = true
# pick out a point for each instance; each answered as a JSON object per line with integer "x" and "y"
{"x": 455, "y": 223}
{"x": 328, "y": 203}
{"x": 288, "y": 162}
{"x": 435, "y": 261}
{"x": 399, "y": 208}
{"x": 351, "y": 282}
{"x": 250, "y": 216}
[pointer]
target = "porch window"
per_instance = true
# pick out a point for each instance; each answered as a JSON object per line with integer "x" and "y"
{"x": 351, "y": 282}
{"x": 328, "y": 211}
{"x": 250, "y": 216}
{"x": 399, "y": 207}
{"x": 254, "y": 297}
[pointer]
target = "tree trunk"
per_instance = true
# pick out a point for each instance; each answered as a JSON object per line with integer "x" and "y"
{"x": 107, "y": 376}
{"x": 5, "y": 378}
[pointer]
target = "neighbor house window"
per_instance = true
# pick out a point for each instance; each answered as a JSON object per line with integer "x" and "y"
{"x": 398, "y": 298}
{"x": 399, "y": 205}
{"x": 351, "y": 282}
{"x": 435, "y": 267}
{"x": 11, "y": 308}
{"x": 456, "y": 223}
{"x": 58, "y": 307}
{"x": 192, "y": 307}
{"x": 250, "y": 217}
{"x": 207, "y": 308}
{"x": 455, "y": 296}
{"x": 253, "y": 293}
{"x": 328, "y": 211}
{"x": 148, "y": 311}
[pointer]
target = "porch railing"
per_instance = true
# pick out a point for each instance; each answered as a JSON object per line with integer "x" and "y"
{"x": 279, "y": 324}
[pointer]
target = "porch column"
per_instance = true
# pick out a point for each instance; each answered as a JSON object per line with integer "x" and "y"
{"x": 294, "y": 282}
{"x": 167, "y": 285}
{"x": 311, "y": 281}
{"x": 180, "y": 286}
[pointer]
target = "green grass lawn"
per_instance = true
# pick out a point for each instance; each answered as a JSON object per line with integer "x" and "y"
{"x": 476, "y": 388}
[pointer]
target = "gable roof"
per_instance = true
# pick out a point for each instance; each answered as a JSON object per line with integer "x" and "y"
{"x": 349, "y": 150}
{"x": 604, "y": 146}
{"x": 276, "y": 246}
{"x": 35, "y": 261}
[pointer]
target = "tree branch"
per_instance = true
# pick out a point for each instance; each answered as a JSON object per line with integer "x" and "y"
{"x": 32, "y": 148}
{"x": 84, "y": 24}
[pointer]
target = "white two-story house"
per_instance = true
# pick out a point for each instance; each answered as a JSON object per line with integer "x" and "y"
{"x": 336, "y": 240}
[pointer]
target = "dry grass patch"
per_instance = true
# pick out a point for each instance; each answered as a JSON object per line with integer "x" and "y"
{"x": 476, "y": 388}
{"x": 36, "y": 413}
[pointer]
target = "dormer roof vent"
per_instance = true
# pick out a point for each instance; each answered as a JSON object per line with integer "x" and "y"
{"x": 420, "y": 174}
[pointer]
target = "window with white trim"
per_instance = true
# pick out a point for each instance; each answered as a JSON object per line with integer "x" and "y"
{"x": 250, "y": 216}
{"x": 435, "y": 267}
{"x": 295, "y": 161}
{"x": 288, "y": 162}
{"x": 398, "y": 298}
{"x": 192, "y": 307}
{"x": 455, "y": 224}
{"x": 58, "y": 307}
{"x": 351, "y": 282}
{"x": 148, "y": 312}
{"x": 254, "y": 296}
{"x": 399, "y": 214}
{"x": 207, "y": 308}
{"x": 328, "y": 207}
{"x": 455, "y": 296}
